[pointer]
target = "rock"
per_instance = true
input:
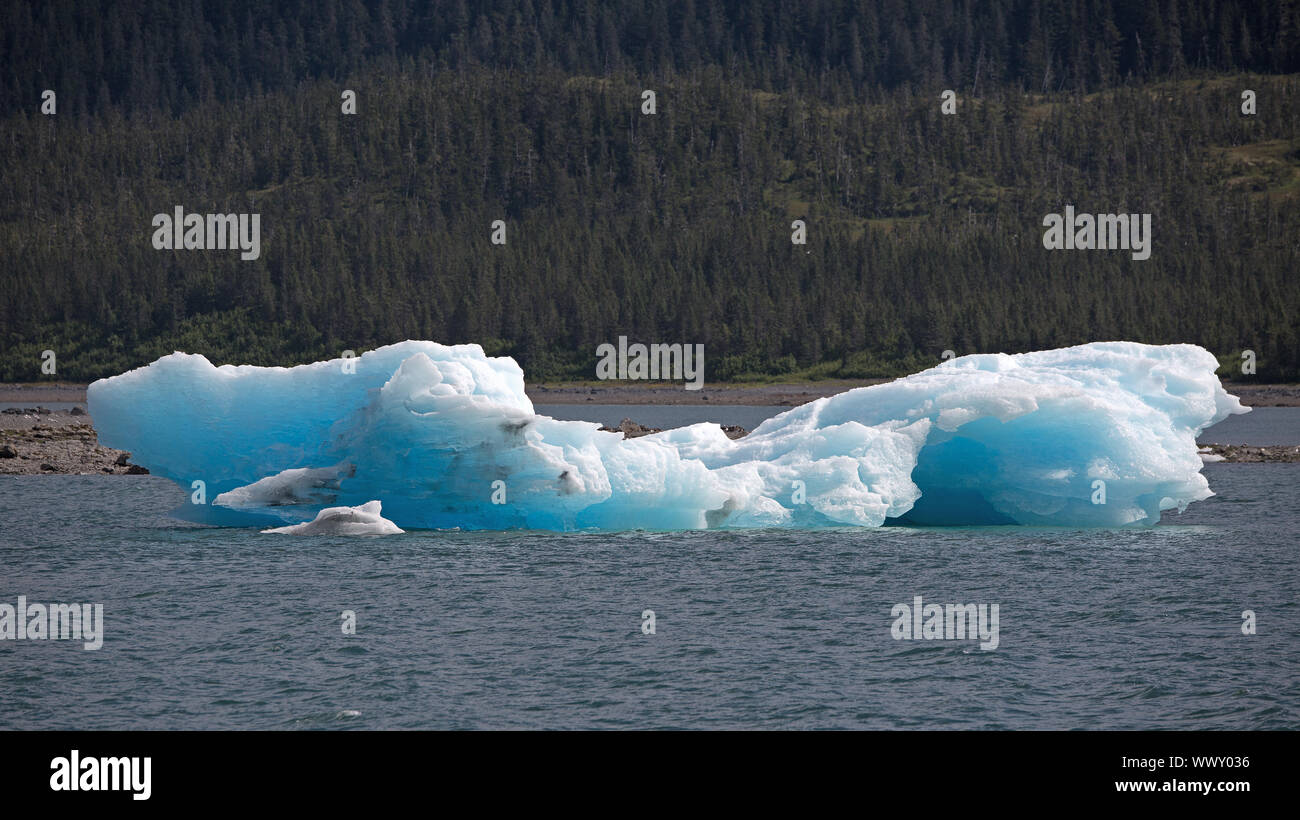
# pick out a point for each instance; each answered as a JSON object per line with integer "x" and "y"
{"x": 7, "y": 452}
{"x": 44, "y": 411}
{"x": 77, "y": 411}
{"x": 121, "y": 460}
{"x": 136, "y": 469}
{"x": 50, "y": 467}
{"x": 631, "y": 429}
{"x": 1249, "y": 454}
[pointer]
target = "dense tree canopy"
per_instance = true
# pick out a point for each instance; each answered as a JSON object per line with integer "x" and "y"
{"x": 169, "y": 55}
{"x": 924, "y": 230}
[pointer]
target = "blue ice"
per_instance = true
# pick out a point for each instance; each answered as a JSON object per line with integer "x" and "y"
{"x": 1098, "y": 435}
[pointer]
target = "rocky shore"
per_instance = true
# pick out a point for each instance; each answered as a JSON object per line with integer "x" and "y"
{"x": 631, "y": 429}
{"x": 1248, "y": 454}
{"x": 792, "y": 395}
{"x": 38, "y": 441}
{"x": 757, "y": 395}
{"x": 754, "y": 395}
{"x": 33, "y": 442}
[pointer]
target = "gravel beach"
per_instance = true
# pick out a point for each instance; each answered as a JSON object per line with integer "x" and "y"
{"x": 35, "y": 440}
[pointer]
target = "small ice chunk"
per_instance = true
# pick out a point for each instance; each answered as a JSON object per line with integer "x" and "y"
{"x": 287, "y": 488}
{"x": 363, "y": 520}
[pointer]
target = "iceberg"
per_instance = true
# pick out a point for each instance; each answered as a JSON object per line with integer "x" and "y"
{"x": 364, "y": 520}
{"x": 1098, "y": 435}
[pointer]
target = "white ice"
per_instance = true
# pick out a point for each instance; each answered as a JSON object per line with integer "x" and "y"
{"x": 363, "y": 520}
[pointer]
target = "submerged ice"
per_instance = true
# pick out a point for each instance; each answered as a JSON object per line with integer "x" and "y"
{"x": 1101, "y": 434}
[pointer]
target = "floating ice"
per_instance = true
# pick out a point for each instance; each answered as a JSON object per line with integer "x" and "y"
{"x": 1097, "y": 435}
{"x": 363, "y": 520}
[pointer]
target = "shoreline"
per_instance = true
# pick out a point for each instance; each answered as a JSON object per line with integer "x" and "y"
{"x": 65, "y": 443}
{"x": 788, "y": 394}
{"x": 35, "y": 440}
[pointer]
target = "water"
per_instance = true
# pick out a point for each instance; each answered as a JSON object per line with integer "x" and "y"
{"x": 1263, "y": 425}
{"x": 662, "y": 416}
{"x": 220, "y": 628}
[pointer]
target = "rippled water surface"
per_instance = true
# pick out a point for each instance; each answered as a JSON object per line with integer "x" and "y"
{"x": 221, "y": 628}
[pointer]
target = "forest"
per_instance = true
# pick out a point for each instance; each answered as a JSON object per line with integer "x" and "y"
{"x": 924, "y": 230}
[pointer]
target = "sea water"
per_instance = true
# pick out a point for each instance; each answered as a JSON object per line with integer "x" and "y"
{"x": 209, "y": 628}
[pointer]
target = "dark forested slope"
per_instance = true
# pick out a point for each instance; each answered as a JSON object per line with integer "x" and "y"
{"x": 924, "y": 229}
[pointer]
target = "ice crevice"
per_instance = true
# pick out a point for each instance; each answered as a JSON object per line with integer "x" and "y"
{"x": 444, "y": 436}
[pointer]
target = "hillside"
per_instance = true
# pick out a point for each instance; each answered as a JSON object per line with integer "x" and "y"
{"x": 924, "y": 230}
